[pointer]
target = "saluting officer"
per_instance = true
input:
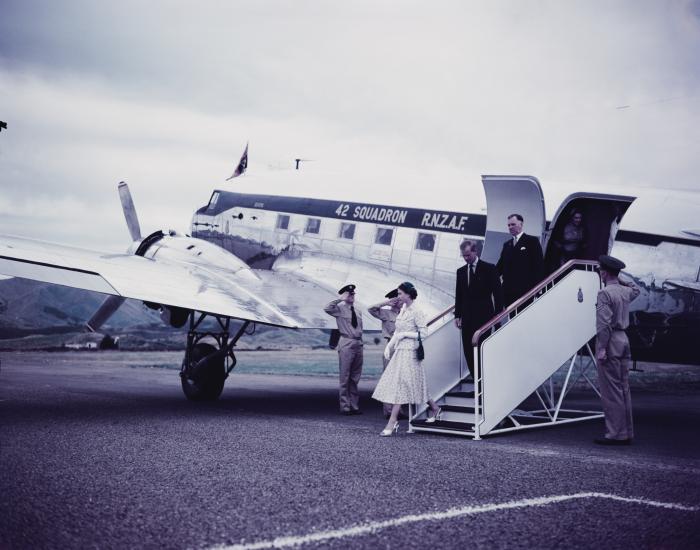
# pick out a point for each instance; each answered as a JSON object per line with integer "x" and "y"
{"x": 350, "y": 348}
{"x": 613, "y": 352}
{"x": 386, "y": 312}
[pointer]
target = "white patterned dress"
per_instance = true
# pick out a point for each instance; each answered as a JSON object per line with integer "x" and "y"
{"x": 403, "y": 380}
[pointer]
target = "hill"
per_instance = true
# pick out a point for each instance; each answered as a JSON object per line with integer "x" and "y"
{"x": 35, "y": 315}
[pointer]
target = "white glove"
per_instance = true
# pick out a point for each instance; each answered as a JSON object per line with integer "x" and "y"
{"x": 390, "y": 346}
{"x": 387, "y": 352}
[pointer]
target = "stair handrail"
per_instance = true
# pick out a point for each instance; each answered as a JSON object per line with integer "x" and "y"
{"x": 441, "y": 315}
{"x": 565, "y": 268}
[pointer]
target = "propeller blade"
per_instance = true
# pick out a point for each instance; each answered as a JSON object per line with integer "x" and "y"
{"x": 132, "y": 220}
{"x": 104, "y": 312}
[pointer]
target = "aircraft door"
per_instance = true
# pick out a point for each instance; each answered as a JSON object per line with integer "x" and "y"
{"x": 507, "y": 195}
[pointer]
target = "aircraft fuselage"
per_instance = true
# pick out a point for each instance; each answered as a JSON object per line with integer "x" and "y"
{"x": 334, "y": 241}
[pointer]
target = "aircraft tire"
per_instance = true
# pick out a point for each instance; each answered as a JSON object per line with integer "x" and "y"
{"x": 211, "y": 383}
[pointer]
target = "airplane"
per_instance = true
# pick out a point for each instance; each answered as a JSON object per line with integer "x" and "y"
{"x": 275, "y": 251}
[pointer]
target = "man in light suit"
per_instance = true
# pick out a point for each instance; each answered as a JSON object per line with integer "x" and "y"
{"x": 521, "y": 264}
{"x": 478, "y": 296}
{"x": 350, "y": 348}
{"x": 613, "y": 352}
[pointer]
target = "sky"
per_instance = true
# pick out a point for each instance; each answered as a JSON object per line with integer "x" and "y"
{"x": 165, "y": 95}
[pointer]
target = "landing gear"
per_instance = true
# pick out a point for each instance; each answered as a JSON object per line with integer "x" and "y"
{"x": 206, "y": 366}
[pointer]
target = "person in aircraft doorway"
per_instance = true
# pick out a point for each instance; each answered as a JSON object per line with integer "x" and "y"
{"x": 386, "y": 312}
{"x": 350, "y": 348}
{"x": 478, "y": 297}
{"x": 613, "y": 358}
{"x": 572, "y": 244}
{"x": 521, "y": 264}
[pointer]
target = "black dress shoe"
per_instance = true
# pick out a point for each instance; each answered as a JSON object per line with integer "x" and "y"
{"x": 355, "y": 411}
{"x": 608, "y": 441}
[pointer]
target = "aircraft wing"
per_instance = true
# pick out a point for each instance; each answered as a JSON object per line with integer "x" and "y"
{"x": 271, "y": 298}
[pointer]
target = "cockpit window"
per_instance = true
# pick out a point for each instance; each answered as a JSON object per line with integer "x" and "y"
{"x": 282, "y": 221}
{"x": 425, "y": 241}
{"x": 214, "y": 199}
{"x": 347, "y": 231}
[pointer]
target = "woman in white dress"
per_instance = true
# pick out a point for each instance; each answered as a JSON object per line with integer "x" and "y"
{"x": 403, "y": 380}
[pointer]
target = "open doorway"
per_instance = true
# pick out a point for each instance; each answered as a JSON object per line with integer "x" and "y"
{"x": 584, "y": 228}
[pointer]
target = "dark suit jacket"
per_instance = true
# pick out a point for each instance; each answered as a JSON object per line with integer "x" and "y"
{"x": 482, "y": 299}
{"x": 521, "y": 267}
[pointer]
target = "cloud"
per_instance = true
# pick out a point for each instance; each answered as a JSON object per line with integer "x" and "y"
{"x": 165, "y": 95}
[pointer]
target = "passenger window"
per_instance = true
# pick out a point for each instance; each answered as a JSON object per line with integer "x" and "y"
{"x": 384, "y": 235}
{"x": 347, "y": 231}
{"x": 282, "y": 221}
{"x": 313, "y": 225}
{"x": 425, "y": 241}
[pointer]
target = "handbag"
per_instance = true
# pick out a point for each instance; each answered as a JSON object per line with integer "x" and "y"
{"x": 420, "y": 352}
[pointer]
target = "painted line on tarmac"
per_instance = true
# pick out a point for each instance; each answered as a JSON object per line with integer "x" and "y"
{"x": 373, "y": 527}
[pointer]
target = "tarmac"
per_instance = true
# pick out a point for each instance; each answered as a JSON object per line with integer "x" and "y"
{"x": 98, "y": 454}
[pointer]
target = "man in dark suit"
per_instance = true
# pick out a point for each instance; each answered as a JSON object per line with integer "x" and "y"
{"x": 478, "y": 296}
{"x": 521, "y": 264}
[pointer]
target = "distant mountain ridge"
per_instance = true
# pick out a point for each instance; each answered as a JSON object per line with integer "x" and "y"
{"x": 35, "y": 315}
{"x": 27, "y": 305}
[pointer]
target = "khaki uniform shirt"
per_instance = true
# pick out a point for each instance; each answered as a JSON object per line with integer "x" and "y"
{"x": 613, "y": 311}
{"x": 388, "y": 318}
{"x": 343, "y": 316}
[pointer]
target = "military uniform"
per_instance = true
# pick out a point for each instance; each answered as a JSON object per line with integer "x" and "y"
{"x": 612, "y": 318}
{"x": 350, "y": 351}
{"x": 388, "y": 318}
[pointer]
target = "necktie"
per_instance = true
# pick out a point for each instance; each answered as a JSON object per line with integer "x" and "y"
{"x": 353, "y": 320}
{"x": 471, "y": 274}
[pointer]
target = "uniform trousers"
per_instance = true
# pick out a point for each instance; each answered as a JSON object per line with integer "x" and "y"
{"x": 613, "y": 379}
{"x": 350, "y": 361}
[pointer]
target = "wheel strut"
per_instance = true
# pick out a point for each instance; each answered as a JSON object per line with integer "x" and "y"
{"x": 205, "y": 367}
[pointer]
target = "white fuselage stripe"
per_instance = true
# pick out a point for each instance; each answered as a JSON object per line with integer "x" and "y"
{"x": 367, "y": 528}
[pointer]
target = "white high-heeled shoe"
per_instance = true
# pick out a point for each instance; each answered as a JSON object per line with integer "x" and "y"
{"x": 390, "y": 431}
{"x": 435, "y": 417}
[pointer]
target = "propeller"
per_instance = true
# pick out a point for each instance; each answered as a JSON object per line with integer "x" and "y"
{"x": 104, "y": 312}
{"x": 132, "y": 220}
{"x": 111, "y": 303}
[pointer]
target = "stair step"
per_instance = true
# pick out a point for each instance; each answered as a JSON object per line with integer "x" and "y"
{"x": 457, "y": 408}
{"x": 453, "y": 416}
{"x": 458, "y": 401}
{"x": 444, "y": 425}
{"x": 465, "y": 394}
{"x": 464, "y": 386}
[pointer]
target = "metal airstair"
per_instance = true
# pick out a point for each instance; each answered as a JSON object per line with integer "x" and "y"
{"x": 526, "y": 360}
